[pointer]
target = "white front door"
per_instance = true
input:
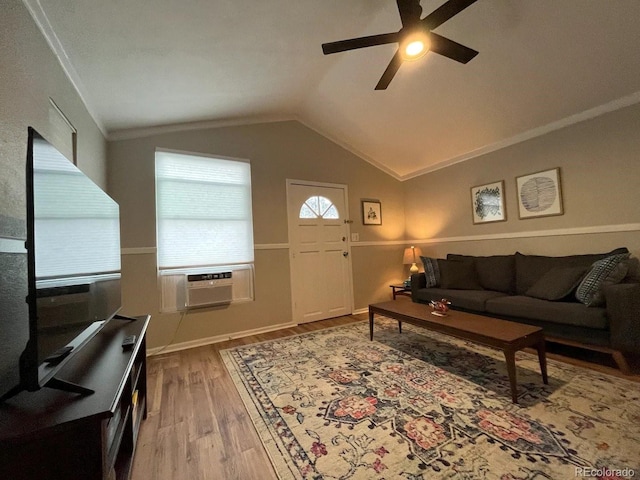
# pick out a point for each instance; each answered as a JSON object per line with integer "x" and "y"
{"x": 319, "y": 251}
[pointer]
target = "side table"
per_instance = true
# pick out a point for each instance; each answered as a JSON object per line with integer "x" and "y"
{"x": 399, "y": 289}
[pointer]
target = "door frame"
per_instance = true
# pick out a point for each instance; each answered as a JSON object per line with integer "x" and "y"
{"x": 345, "y": 189}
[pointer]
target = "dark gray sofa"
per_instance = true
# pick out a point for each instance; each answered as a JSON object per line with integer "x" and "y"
{"x": 540, "y": 290}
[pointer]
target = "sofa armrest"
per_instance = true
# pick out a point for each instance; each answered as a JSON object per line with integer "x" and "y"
{"x": 623, "y": 310}
{"x": 418, "y": 281}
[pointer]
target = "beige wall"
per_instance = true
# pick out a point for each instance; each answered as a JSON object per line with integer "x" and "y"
{"x": 29, "y": 75}
{"x": 600, "y": 179}
{"x": 277, "y": 151}
{"x": 600, "y": 168}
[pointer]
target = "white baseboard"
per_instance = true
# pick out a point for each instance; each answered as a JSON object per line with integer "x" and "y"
{"x": 201, "y": 342}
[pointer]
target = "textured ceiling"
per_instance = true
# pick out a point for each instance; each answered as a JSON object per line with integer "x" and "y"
{"x": 542, "y": 64}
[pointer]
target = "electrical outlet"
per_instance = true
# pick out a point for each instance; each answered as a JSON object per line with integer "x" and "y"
{"x": 355, "y": 237}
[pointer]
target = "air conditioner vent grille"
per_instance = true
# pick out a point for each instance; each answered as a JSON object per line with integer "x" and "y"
{"x": 209, "y": 289}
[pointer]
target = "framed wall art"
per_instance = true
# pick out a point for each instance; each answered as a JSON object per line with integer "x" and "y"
{"x": 371, "y": 212}
{"x": 487, "y": 202}
{"x": 539, "y": 194}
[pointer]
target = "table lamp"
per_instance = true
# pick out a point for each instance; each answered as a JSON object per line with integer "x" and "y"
{"x": 410, "y": 258}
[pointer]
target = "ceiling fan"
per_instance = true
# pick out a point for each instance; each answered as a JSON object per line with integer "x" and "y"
{"x": 414, "y": 39}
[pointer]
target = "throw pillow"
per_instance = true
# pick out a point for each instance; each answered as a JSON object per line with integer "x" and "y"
{"x": 603, "y": 272}
{"x": 557, "y": 283}
{"x": 529, "y": 268}
{"x": 458, "y": 275}
{"x": 431, "y": 271}
{"x": 497, "y": 272}
{"x": 616, "y": 276}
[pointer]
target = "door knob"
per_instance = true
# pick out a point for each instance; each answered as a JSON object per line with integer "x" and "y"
{"x": 345, "y": 254}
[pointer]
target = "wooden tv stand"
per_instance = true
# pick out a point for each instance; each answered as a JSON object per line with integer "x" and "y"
{"x": 59, "y": 435}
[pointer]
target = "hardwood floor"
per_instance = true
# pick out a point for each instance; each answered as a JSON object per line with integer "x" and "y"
{"x": 197, "y": 427}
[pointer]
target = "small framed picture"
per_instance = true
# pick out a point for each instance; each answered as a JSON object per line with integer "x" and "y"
{"x": 487, "y": 202}
{"x": 371, "y": 213}
{"x": 539, "y": 194}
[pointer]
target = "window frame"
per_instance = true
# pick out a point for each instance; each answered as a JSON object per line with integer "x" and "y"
{"x": 168, "y": 281}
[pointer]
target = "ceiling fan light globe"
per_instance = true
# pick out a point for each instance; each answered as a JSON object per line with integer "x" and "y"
{"x": 415, "y": 47}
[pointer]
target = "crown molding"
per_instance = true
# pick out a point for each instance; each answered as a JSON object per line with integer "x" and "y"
{"x": 589, "y": 114}
{"x": 350, "y": 148}
{"x": 44, "y": 25}
{"x": 133, "y": 133}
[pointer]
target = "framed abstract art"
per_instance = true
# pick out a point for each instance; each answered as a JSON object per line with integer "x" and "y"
{"x": 487, "y": 203}
{"x": 539, "y": 194}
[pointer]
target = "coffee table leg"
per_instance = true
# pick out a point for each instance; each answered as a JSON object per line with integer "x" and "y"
{"x": 399, "y": 326}
{"x": 542, "y": 357}
{"x": 511, "y": 369}
{"x": 371, "y": 324}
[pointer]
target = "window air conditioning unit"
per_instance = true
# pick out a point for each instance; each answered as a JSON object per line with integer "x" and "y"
{"x": 208, "y": 289}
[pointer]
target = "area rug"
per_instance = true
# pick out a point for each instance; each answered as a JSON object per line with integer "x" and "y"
{"x": 419, "y": 405}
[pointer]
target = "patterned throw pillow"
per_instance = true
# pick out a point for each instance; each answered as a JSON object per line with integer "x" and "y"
{"x": 607, "y": 271}
{"x": 431, "y": 271}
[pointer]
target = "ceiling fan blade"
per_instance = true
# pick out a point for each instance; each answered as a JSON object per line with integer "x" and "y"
{"x": 360, "y": 42}
{"x": 410, "y": 11}
{"x": 445, "y": 12}
{"x": 451, "y": 49}
{"x": 390, "y": 72}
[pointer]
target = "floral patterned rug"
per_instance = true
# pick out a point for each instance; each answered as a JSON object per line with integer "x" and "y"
{"x": 334, "y": 405}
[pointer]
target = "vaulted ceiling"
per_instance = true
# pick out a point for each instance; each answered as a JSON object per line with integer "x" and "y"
{"x": 542, "y": 64}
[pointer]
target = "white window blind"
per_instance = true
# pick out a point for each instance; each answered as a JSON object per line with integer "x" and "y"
{"x": 203, "y": 211}
{"x": 74, "y": 219}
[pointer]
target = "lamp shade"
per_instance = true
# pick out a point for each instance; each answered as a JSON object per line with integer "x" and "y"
{"x": 411, "y": 255}
{"x": 408, "y": 257}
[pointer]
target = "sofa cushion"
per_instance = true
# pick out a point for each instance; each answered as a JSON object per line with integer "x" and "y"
{"x": 529, "y": 268}
{"x": 633, "y": 274}
{"x": 467, "y": 299}
{"x": 557, "y": 283}
{"x": 431, "y": 271}
{"x": 496, "y": 272}
{"x": 458, "y": 275}
{"x": 567, "y": 313}
{"x": 608, "y": 271}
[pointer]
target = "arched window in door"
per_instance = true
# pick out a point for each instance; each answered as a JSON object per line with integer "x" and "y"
{"x": 319, "y": 207}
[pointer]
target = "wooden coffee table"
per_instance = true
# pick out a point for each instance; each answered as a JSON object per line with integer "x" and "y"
{"x": 504, "y": 335}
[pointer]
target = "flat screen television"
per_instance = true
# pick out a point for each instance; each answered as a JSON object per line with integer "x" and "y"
{"x": 73, "y": 263}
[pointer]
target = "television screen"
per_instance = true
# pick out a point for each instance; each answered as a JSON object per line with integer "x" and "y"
{"x": 73, "y": 247}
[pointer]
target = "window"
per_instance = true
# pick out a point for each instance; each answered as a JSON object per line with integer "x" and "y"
{"x": 319, "y": 207}
{"x": 204, "y": 219}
